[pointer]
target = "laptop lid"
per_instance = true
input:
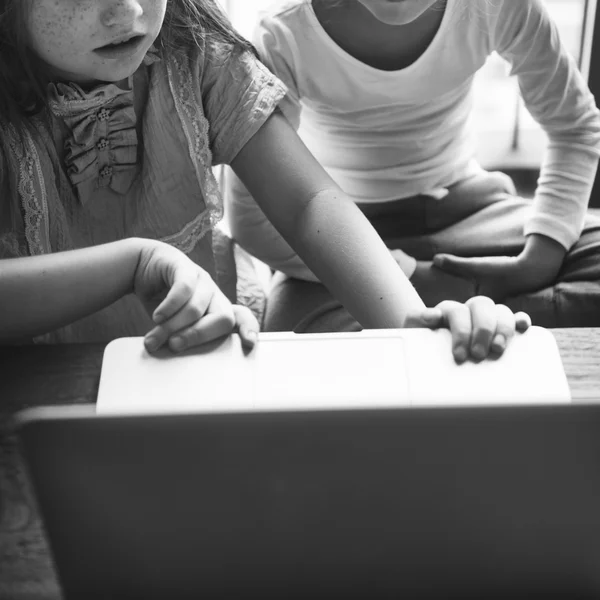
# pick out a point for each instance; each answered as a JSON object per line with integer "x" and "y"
{"x": 371, "y": 368}
{"x": 496, "y": 502}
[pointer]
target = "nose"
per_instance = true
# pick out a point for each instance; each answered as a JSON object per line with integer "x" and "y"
{"x": 119, "y": 13}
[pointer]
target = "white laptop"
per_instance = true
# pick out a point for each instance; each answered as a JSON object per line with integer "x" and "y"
{"x": 368, "y": 369}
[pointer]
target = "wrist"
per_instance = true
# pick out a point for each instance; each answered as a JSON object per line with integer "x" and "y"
{"x": 542, "y": 253}
{"x": 138, "y": 252}
{"x": 540, "y": 247}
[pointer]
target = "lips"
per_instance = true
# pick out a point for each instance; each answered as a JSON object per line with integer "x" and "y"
{"x": 123, "y": 39}
{"x": 121, "y": 47}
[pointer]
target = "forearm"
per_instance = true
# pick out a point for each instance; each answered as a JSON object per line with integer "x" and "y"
{"x": 561, "y": 199}
{"x": 544, "y": 255}
{"x": 559, "y": 99}
{"x": 324, "y": 227}
{"x": 341, "y": 247}
{"x": 39, "y": 294}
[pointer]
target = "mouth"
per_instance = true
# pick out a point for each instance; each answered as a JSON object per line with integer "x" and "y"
{"x": 122, "y": 46}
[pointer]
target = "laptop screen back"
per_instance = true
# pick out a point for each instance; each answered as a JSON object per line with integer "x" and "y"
{"x": 501, "y": 502}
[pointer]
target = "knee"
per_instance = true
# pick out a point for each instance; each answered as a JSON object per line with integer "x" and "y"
{"x": 503, "y": 182}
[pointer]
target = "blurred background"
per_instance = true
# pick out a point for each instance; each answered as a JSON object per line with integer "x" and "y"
{"x": 509, "y": 139}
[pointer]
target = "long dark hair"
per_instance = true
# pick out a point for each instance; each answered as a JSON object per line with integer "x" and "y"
{"x": 23, "y": 78}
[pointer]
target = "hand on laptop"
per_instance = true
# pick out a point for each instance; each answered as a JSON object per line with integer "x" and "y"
{"x": 186, "y": 305}
{"x": 479, "y": 327}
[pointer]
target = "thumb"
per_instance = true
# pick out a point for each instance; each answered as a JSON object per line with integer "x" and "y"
{"x": 184, "y": 283}
{"x": 456, "y": 265}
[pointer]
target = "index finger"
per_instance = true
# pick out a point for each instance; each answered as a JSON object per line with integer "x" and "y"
{"x": 484, "y": 318}
{"x": 457, "y": 317}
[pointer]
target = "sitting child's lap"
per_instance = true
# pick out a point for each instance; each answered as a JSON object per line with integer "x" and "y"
{"x": 480, "y": 216}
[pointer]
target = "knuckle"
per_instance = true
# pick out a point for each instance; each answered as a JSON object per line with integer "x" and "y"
{"x": 462, "y": 333}
{"x": 195, "y": 312}
{"x": 187, "y": 288}
{"x": 447, "y": 306}
{"x": 244, "y": 315}
{"x": 480, "y": 301}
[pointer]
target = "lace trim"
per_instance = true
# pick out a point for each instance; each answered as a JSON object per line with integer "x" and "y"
{"x": 32, "y": 191}
{"x": 195, "y": 127}
{"x": 249, "y": 291}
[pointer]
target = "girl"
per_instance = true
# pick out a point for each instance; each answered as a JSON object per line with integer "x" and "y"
{"x": 113, "y": 113}
{"x": 381, "y": 94}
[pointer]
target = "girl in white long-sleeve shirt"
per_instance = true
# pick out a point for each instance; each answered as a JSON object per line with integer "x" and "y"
{"x": 381, "y": 93}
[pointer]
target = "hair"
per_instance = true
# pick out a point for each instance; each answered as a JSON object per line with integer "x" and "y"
{"x": 24, "y": 78}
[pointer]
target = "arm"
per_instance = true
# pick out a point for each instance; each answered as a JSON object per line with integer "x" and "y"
{"x": 276, "y": 40}
{"x": 247, "y": 222}
{"x": 254, "y": 232}
{"x": 324, "y": 226}
{"x": 42, "y": 293}
{"x": 558, "y": 98}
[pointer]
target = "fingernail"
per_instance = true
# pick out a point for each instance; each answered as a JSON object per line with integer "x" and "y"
{"x": 151, "y": 343}
{"x": 478, "y": 351}
{"x": 158, "y": 318}
{"x": 252, "y": 336}
{"x": 177, "y": 344}
{"x": 499, "y": 343}
{"x": 460, "y": 354}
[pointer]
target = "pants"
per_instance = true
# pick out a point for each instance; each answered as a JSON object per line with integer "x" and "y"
{"x": 481, "y": 216}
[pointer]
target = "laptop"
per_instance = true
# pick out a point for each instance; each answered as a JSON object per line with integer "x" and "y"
{"x": 372, "y": 368}
{"x": 422, "y": 503}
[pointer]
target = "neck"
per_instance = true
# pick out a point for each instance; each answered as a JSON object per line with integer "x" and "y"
{"x": 380, "y": 45}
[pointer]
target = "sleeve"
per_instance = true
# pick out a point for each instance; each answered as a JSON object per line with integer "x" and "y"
{"x": 248, "y": 224}
{"x": 12, "y": 229}
{"x": 238, "y": 94}
{"x": 276, "y": 46}
{"x": 559, "y": 99}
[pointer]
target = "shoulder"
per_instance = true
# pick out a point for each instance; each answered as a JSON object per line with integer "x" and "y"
{"x": 205, "y": 60}
{"x": 517, "y": 21}
{"x": 284, "y": 9}
{"x": 284, "y": 15}
{"x": 501, "y": 13}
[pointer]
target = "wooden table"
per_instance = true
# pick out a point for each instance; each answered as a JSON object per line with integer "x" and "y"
{"x": 38, "y": 375}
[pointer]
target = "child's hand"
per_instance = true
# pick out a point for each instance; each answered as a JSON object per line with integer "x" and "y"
{"x": 185, "y": 303}
{"x": 499, "y": 277}
{"x": 479, "y": 327}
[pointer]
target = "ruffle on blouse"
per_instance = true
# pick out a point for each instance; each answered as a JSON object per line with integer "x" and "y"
{"x": 101, "y": 147}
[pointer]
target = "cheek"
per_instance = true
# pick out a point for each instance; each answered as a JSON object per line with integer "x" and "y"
{"x": 155, "y": 10}
{"x": 54, "y": 27}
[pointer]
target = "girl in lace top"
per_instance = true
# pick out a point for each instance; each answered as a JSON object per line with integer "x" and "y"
{"x": 113, "y": 113}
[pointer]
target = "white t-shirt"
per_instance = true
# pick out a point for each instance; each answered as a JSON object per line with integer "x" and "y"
{"x": 386, "y": 135}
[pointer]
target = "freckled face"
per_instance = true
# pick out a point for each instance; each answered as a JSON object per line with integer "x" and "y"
{"x": 398, "y": 12}
{"x": 88, "y": 41}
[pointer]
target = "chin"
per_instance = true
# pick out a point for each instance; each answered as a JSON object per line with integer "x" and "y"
{"x": 394, "y": 18}
{"x": 116, "y": 74}
{"x": 398, "y": 14}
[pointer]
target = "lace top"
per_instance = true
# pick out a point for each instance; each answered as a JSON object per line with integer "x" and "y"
{"x": 111, "y": 163}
